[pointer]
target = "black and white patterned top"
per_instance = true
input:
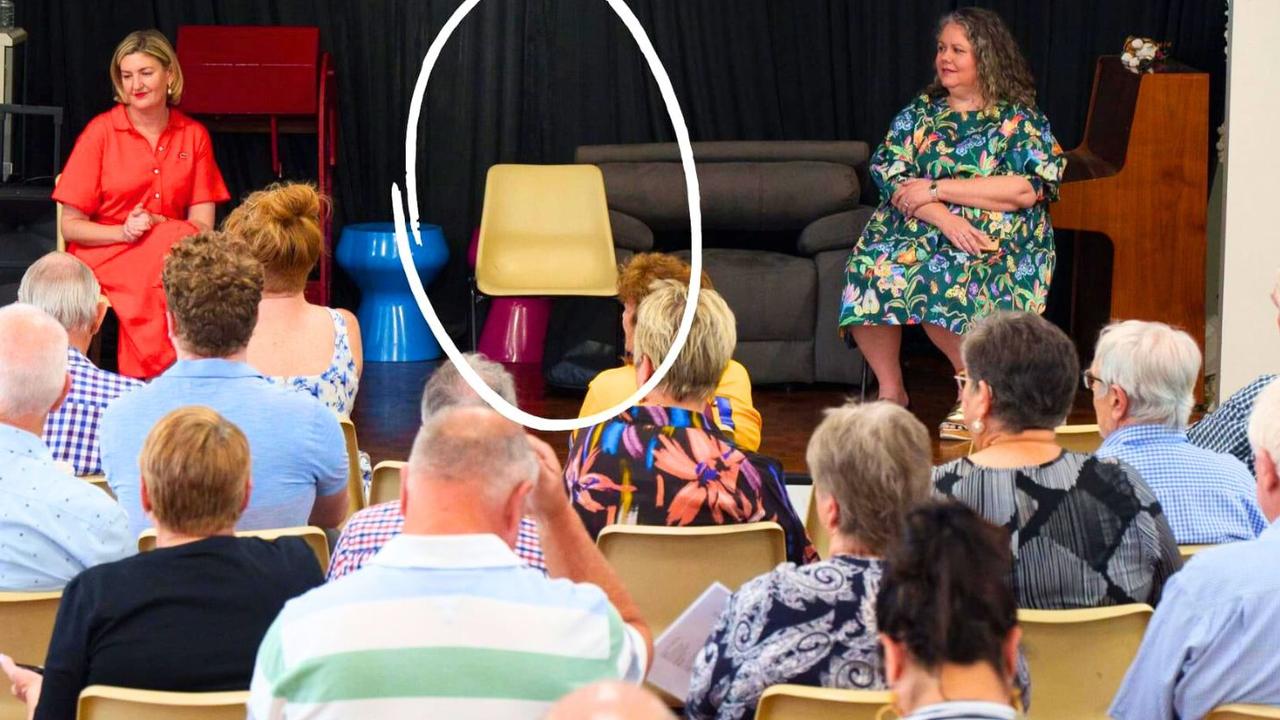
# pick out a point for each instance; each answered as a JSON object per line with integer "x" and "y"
{"x": 1226, "y": 430}
{"x": 809, "y": 625}
{"x": 1086, "y": 532}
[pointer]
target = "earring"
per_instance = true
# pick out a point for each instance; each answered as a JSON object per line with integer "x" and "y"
{"x": 977, "y": 426}
{"x": 170, "y": 90}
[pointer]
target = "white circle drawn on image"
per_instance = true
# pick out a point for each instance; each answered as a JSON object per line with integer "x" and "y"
{"x": 496, "y": 401}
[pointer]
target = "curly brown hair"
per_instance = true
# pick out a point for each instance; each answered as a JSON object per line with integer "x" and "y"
{"x": 636, "y": 277}
{"x": 282, "y": 226}
{"x": 1003, "y": 74}
{"x": 212, "y": 284}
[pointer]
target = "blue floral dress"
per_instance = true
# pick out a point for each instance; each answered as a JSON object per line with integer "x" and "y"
{"x": 904, "y": 271}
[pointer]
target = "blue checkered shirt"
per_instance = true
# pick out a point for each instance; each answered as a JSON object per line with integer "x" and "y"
{"x": 1226, "y": 429}
{"x": 1207, "y": 497}
{"x": 72, "y": 432}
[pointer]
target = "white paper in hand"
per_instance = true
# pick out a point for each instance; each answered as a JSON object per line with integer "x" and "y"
{"x": 677, "y": 648}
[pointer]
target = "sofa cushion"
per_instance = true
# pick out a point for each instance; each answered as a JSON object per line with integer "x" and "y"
{"x": 629, "y": 233}
{"x": 773, "y": 295}
{"x": 834, "y": 232}
{"x": 755, "y": 196}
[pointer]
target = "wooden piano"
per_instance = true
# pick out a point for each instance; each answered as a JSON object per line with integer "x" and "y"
{"x": 1140, "y": 177}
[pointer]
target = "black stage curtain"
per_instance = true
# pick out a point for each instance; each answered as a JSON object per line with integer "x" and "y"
{"x": 528, "y": 80}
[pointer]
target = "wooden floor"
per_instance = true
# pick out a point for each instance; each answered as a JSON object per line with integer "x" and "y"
{"x": 387, "y": 415}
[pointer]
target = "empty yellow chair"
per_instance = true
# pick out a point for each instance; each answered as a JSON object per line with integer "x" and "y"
{"x": 1079, "y": 657}
{"x": 545, "y": 230}
{"x": 1079, "y": 438}
{"x": 26, "y": 625}
{"x": 801, "y": 702}
{"x": 355, "y": 479}
{"x": 314, "y": 537}
{"x": 104, "y": 702}
{"x": 385, "y": 486}
{"x": 666, "y": 568}
{"x": 1243, "y": 712}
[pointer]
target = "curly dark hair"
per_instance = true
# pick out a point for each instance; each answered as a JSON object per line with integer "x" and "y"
{"x": 212, "y": 284}
{"x": 1003, "y": 74}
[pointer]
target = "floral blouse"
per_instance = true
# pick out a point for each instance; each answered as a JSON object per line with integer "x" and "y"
{"x": 669, "y": 466}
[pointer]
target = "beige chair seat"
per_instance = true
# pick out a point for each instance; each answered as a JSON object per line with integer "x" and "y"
{"x": 385, "y": 486}
{"x": 104, "y": 702}
{"x": 801, "y": 702}
{"x": 1079, "y": 438}
{"x": 1243, "y": 712}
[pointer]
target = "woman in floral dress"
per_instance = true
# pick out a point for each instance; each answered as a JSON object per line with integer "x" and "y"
{"x": 966, "y": 174}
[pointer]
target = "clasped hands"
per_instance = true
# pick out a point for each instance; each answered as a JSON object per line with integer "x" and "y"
{"x": 139, "y": 222}
{"x": 913, "y": 195}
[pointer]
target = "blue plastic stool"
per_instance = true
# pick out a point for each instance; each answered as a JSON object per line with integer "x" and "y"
{"x": 391, "y": 325}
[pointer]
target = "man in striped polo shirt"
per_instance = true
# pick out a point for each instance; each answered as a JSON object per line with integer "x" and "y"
{"x": 446, "y": 620}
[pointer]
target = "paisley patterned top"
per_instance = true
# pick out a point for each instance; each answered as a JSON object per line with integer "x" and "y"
{"x": 656, "y": 465}
{"x": 811, "y": 625}
{"x": 336, "y": 386}
{"x": 904, "y": 271}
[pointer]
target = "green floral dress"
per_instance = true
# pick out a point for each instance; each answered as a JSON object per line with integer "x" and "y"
{"x": 904, "y": 271}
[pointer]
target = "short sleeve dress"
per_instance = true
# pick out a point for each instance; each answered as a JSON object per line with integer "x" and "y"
{"x": 111, "y": 170}
{"x": 903, "y": 271}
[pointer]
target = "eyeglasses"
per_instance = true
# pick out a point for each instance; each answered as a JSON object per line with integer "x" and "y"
{"x": 962, "y": 381}
{"x": 1089, "y": 379}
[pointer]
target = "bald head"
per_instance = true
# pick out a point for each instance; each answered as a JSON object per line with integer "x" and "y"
{"x": 63, "y": 286}
{"x": 473, "y": 445}
{"x": 33, "y": 362}
{"x": 610, "y": 700}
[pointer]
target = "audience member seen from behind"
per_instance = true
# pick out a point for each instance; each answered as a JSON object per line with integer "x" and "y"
{"x": 1213, "y": 639}
{"x": 1226, "y": 429}
{"x": 213, "y": 286}
{"x": 731, "y": 404}
{"x": 484, "y": 635}
{"x": 188, "y": 615}
{"x": 814, "y": 624}
{"x": 53, "y": 525}
{"x": 948, "y": 619}
{"x": 308, "y": 347}
{"x": 369, "y": 529}
{"x": 141, "y": 177}
{"x": 665, "y": 462}
{"x": 1087, "y": 532}
{"x": 1143, "y": 381}
{"x": 65, "y": 288}
{"x": 609, "y": 700}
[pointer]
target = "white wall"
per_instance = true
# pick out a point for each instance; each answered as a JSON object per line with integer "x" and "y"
{"x": 1251, "y": 254}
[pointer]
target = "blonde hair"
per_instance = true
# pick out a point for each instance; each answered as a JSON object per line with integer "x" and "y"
{"x": 712, "y": 338}
{"x": 282, "y": 228}
{"x": 155, "y": 44}
{"x": 195, "y": 464}
{"x": 875, "y": 459}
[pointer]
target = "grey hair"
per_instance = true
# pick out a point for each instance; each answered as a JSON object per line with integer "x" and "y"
{"x": 63, "y": 286}
{"x": 1030, "y": 366}
{"x": 1264, "y": 422}
{"x": 1155, "y": 364}
{"x": 33, "y": 361}
{"x": 875, "y": 459}
{"x": 447, "y": 388}
{"x": 473, "y": 444}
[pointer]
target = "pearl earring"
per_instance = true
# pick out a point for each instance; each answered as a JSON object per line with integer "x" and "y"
{"x": 978, "y": 427}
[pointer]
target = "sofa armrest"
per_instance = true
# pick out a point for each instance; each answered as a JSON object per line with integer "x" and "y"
{"x": 629, "y": 232}
{"x": 838, "y": 231}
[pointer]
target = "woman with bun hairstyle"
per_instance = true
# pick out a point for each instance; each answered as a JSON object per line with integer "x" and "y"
{"x": 948, "y": 620}
{"x": 309, "y": 347}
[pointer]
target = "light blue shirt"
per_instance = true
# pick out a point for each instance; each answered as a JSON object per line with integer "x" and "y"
{"x": 295, "y": 441}
{"x": 52, "y": 525}
{"x": 1207, "y": 497}
{"x": 1214, "y": 637}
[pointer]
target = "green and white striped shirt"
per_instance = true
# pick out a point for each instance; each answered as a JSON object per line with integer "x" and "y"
{"x": 440, "y": 627}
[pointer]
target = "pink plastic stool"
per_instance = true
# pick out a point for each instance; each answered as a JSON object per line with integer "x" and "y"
{"x": 516, "y": 329}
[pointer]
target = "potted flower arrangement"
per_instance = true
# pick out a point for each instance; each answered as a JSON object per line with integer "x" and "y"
{"x": 1143, "y": 55}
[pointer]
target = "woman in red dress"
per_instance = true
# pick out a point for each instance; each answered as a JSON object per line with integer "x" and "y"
{"x": 141, "y": 177}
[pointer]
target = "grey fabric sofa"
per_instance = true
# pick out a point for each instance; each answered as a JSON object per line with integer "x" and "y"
{"x": 778, "y": 218}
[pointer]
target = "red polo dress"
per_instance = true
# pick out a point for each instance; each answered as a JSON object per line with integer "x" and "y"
{"x": 110, "y": 171}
